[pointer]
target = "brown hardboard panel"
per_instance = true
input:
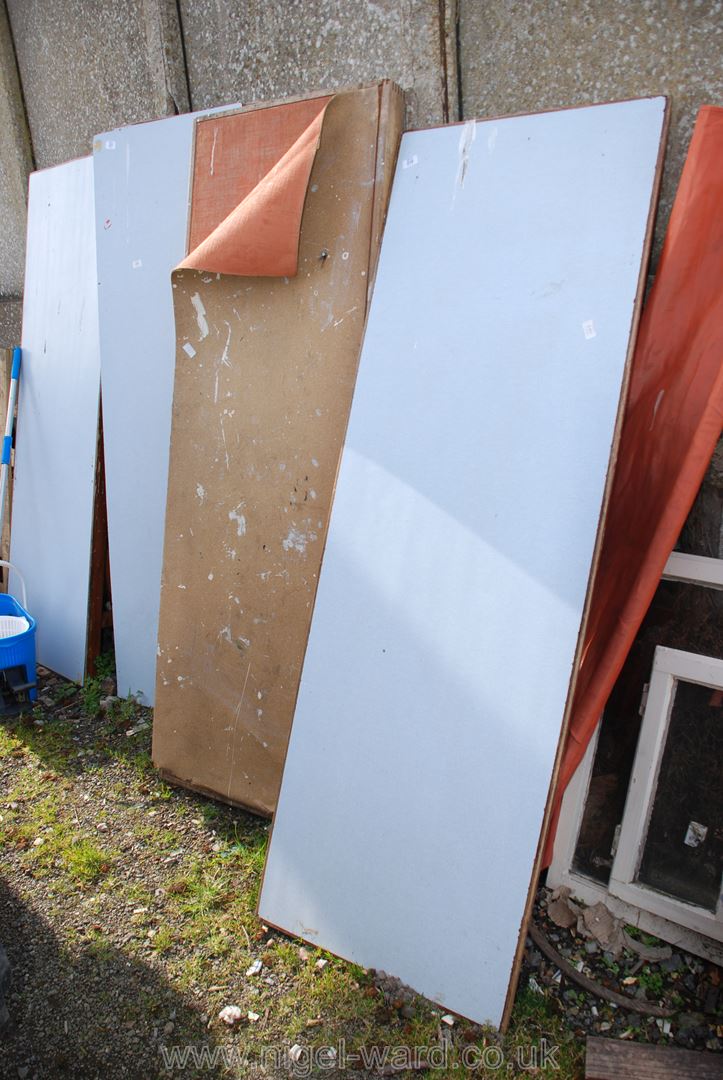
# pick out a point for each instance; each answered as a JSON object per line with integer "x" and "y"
{"x": 264, "y": 379}
{"x": 609, "y": 1059}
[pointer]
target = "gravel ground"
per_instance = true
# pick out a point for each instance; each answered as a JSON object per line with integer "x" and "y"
{"x": 127, "y": 909}
{"x": 681, "y": 983}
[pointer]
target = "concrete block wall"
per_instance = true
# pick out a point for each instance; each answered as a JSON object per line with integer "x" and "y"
{"x": 72, "y": 68}
{"x": 522, "y": 55}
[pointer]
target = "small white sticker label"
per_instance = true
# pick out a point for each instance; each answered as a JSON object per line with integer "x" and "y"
{"x": 410, "y": 161}
{"x": 137, "y": 264}
{"x": 189, "y": 349}
{"x": 588, "y": 329}
{"x": 110, "y": 144}
{"x": 696, "y": 834}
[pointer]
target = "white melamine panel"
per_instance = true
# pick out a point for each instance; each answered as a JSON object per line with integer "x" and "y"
{"x": 142, "y": 178}
{"x": 57, "y": 428}
{"x": 460, "y": 545}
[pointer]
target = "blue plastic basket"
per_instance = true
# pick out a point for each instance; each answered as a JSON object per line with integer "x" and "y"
{"x": 19, "y": 649}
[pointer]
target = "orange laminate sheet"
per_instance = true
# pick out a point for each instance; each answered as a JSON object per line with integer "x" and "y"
{"x": 250, "y": 176}
{"x": 672, "y": 423}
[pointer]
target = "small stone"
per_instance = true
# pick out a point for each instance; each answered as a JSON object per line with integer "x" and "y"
{"x": 254, "y": 969}
{"x": 304, "y": 954}
{"x": 688, "y": 1021}
{"x": 295, "y": 1053}
{"x": 230, "y": 1014}
{"x": 321, "y": 964}
{"x": 253, "y": 1017}
{"x": 447, "y": 1019}
{"x": 38, "y": 841}
{"x": 168, "y": 1028}
{"x": 107, "y": 703}
{"x": 534, "y": 960}
{"x": 591, "y": 947}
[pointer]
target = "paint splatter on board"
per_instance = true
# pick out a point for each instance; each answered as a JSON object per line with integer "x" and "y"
{"x": 297, "y": 540}
{"x": 200, "y": 315}
{"x": 240, "y": 520}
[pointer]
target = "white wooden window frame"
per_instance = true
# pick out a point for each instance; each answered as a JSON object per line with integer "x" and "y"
{"x": 669, "y": 667}
{"x": 693, "y": 570}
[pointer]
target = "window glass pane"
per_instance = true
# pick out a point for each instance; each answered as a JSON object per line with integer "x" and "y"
{"x": 683, "y": 852}
{"x": 702, "y": 533}
{"x": 681, "y": 616}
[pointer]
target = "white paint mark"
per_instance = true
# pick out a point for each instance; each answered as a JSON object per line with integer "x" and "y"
{"x": 200, "y": 492}
{"x": 588, "y": 329}
{"x": 315, "y": 463}
{"x": 225, "y": 448}
{"x": 189, "y": 349}
{"x": 224, "y": 355}
{"x": 410, "y": 161}
{"x": 282, "y": 466}
{"x": 213, "y": 150}
{"x": 210, "y": 577}
{"x": 345, "y": 255}
{"x": 466, "y": 138}
{"x": 297, "y": 540}
{"x": 181, "y": 586}
{"x": 137, "y": 264}
{"x": 215, "y": 390}
{"x": 200, "y": 315}
{"x": 234, "y": 515}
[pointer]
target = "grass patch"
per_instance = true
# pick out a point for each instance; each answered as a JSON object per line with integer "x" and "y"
{"x": 85, "y": 861}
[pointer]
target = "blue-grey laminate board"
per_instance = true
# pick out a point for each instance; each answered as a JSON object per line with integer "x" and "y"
{"x": 460, "y": 545}
{"x": 142, "y": 179}
{"x": 57, "y": 426}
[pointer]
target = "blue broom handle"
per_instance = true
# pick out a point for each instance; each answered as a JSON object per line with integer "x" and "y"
{"x": 8, "y": 439}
